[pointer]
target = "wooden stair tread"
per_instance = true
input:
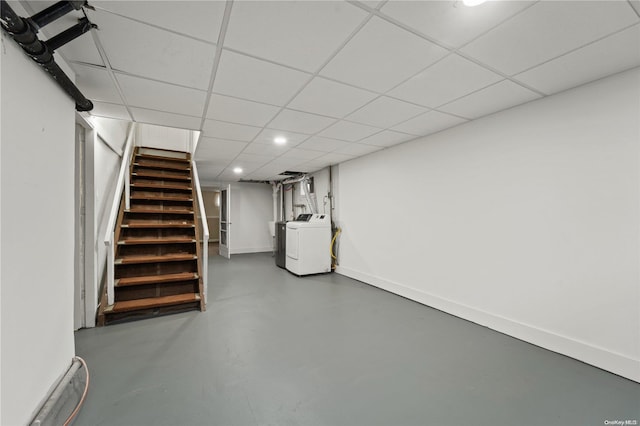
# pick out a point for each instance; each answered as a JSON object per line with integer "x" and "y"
{"x": 161, "y": 186}
{"x": 161, "y": 157}
{"x": 161, "y": 197}
{"x": 155, "y": 165}
{"x": 153, "y": 279}
{"x": 149, "y": 258}
{"x": 161, "y": 210}
{"x": 156, "y": 240}
{"x": 152, "y": 302}
{"x": 159, "y": 175}
{"x": 157, "y": 224}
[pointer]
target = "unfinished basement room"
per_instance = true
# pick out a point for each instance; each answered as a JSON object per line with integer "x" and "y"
{"x": 320, "y": 212}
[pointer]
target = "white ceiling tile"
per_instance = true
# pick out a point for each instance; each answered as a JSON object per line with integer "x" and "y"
{"x": 150, "y": 94}
{"x": 166, "y": 119}
{"x": 382, "y": 55}
{"x": 228, "y": 176}
{"x": 431, "y": 122}
{"x": 387, "y": 138}
{"x": 286, "y": 163}
{"x": 334, "y": 158}
{"x": 385, "y": 112}
{"x": 302, "y": 154}
{"x": 253, "y": 79}
{"x": 347, "y": 131}
{"x": 268, "y": 135}
{"x": 246, "y": 166}
{"x": 451, "y": 22}
{"x": 209, "y": 149}
{"x": 200, "y": 19}
{"x": 496, "y": 97}
{"x": 265, "y": 149}
{"x": 150, "y": 52}
{"x": 546, "y": 30}
{"x": 240, "y": 111}
{"x": 102, "y": 109}
{"x": 218, "y": 162}
{"x": 318, "y": 143}
{"x": 271, "y": 150}
{"x": 253, "y": 158}
{"x": 372, "y": 3}
{"x": 82, "y": 49}
{"x": 445, "y": 81}
{"x": 96, "y": 84}
{"x": 358, "y": 149}
{"x": 315, "y": 164}
{"x": 208, "y": 171}
{"x": 300, "y": 122}
{"x": 224, "y": 130}
{"x": 299, "y": 34}
{"x": 325, "y": 97}
{"x": 270, "y": 170}
{"x": 613, "y": 54}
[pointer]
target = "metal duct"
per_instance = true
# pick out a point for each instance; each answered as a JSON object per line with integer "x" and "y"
{"x": 25, "y": 35}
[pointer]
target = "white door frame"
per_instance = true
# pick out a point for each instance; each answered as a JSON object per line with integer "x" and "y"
{"x": 85, "y": 293}
{"x": 225, "y": 222}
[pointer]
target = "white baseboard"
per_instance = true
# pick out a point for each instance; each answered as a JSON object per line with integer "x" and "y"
{"x": 245, "y": 250}
{"x": 585, "y": 352}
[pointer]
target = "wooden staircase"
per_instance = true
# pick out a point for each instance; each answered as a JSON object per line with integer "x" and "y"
{"x": 157, "y": 252}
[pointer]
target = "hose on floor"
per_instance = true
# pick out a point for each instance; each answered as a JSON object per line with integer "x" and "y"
{"x": 333, "y": 242}
{"x": 84, "y": 393}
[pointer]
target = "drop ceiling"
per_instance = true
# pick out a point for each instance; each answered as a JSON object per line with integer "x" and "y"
{"x": 338, "y": 79}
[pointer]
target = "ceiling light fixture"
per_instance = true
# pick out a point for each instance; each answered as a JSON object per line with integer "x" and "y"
{"x": 280, "y": 140}
{"x": 472, "y": 3}
{"x": 237, "y": 170}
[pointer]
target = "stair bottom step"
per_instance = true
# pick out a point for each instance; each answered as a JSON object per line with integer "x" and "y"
{"x": 155, "y": 279}
{"x": 152, "y": 302}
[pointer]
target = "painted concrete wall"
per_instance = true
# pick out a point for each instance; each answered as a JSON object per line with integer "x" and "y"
{"x": 251, "y": 210}
{"x": 37, "y": 223}
{"x": 149, "y": 135}
{"x": 112, "y": 132}
{"x": 526, "y": 221}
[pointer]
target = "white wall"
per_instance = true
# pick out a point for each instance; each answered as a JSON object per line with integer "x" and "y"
{"x": 526, "y": 221}
{"x": 251, "y": 210}
{"x": 152, "y": 136}
{"x": 37, "y": 222}
{"x": 106, "y": 167}
{"x": 321, "y": 189}
{"x": 112, "y": 132}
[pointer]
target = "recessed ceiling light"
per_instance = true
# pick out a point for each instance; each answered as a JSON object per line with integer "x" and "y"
{"x": 280, "y": 140}
{"x": 237, "y": 170}
{"x": 472, "y": 3}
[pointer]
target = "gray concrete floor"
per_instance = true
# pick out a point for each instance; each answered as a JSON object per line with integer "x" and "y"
{"x": 274, "y": 349}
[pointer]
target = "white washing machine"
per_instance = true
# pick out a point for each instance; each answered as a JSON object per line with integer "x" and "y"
{"x": 309, "y": 244}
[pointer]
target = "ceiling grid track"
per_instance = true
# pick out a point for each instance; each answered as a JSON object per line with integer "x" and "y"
{"x": 216, "y": 60}
{"x": 451, "y": 49}
{"x": 576, "y": 49}
{"x": 314, "y": 75}
{"x": 293, "y": 59}
{"x": 107, "y": 63}
{"x": 149, "y": 24}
